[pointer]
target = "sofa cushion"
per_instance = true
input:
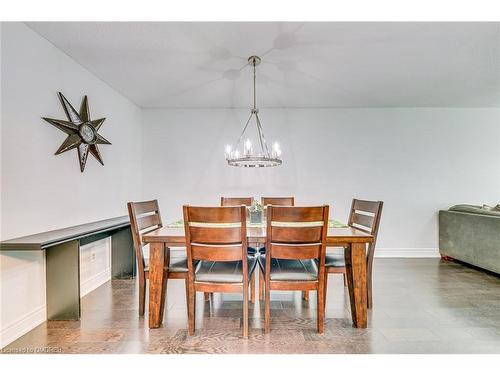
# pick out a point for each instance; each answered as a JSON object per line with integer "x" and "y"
{"x": 472, "y": 209}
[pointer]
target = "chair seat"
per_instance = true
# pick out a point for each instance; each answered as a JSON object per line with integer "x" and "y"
{"x": 252, "y": 251}
{"x": 335, "y": 258}
{"x": 223, "y": 272}
{"x": 177, "y": 264}
{"x": 290, "y": 270}
{"x": 261, "y": 250}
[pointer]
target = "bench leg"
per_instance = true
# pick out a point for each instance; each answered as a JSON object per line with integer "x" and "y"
{"x": 63, "y": 281}
{"x": 122, "y": 255}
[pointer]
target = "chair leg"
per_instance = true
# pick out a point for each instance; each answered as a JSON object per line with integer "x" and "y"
{"x": 142, "y": 295}
{"x": 320, "y": 306}
{"x": 245, "y": 311}
{"x": 252, "y": 288}
{"x": 186, "y": 284}
{"x": 306, "y": 295}
{"x": 261, "y": 286}
{"x": 191, "y": 308}
{"x": 267, "y": 308}
{"x": 207, "y": 296}
{"x": 369, "y": 297}
{"x": 325, "y": 290}
{"x": 345, "y": 279}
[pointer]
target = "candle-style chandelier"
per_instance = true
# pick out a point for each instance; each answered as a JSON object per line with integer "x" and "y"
{"x": 246, "y": 156}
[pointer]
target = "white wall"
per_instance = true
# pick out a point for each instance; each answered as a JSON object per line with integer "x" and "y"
{"x": 95, "y": 265}
{"x": 22, "y": 293}
{"x": 41, "y": 191}
{"x": 417, "y": 161}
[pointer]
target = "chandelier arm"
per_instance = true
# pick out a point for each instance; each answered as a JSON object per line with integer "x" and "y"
{"x": 261, "y": 133}
{"x": 244, "y": 129}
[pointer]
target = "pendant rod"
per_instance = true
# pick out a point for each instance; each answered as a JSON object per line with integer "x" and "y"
{"x": 254, "y": 90}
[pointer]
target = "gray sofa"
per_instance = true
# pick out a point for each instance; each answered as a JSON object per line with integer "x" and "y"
{"x": 471, "y": 234}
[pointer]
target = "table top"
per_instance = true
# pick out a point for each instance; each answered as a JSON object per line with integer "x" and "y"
{"x": 331, "y": 223}
{"x": 43, "y": 240}
{"x": 336, "y": 236}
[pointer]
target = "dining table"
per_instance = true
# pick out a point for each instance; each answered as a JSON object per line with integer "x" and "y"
{"x": 353, "y": 240}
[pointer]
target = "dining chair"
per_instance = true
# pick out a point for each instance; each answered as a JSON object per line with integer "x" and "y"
{"x": 144, "y": 218}
{"x": 296, "y": 237}
{"x": 278, "y": 201}
{"x": 229, "y": 201}
{"x": 217, "y": 238}
{"x": 365, "y": 216}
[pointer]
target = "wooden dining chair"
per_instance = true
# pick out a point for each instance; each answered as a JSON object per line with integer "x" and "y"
{"x": 217, "y": 238}
{"x": 278, "y": 201}
{"x": 144, "y": 218}
{"x": 365, "y": 216}
{"x": 296, "y": 237}
{"x": 229, "y": 201}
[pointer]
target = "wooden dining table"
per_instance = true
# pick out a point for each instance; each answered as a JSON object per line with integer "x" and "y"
{"x": 353, "y": 240}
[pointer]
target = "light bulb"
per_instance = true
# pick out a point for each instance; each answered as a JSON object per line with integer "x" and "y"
{"x": 276, "y": 149}
{"x": 248, "y": 147}
{"x": 237, "y": 154}
{"x": 228, "y": 151}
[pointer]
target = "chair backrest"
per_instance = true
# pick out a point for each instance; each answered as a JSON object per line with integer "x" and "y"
{"x": 144, "y": 218}
{"x": 296, "y": 233}
{"x": 365, "y": 216}
{"x": 215, "y": 234}
{"x": 278, "y": 201}
{"x": 228, "y": 201}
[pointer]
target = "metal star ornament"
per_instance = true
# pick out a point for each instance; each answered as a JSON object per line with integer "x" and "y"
{"x": 81, "y": 130}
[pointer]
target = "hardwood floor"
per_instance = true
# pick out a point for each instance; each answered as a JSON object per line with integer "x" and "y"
{"x": 420, "y": 306}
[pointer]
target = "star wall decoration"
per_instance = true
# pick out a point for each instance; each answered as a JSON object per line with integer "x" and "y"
{"x": 81, "y": 130}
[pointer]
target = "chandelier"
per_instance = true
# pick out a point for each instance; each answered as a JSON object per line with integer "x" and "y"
{"x": 243, "y": 155}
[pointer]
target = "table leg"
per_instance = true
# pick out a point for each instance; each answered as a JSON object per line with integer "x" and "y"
{"x": 158, "y": 274}
{"x": 355, "y": 261}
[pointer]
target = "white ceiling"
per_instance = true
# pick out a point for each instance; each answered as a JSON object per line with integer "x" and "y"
{"x": 304, "y": 64}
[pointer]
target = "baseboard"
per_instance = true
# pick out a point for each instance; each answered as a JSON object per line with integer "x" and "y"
{"x": 94, "y": 282}
{"x": 407, "y": 253}
{"x": 23, "y": 325}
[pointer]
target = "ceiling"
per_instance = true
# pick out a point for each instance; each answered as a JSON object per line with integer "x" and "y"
{"x": 191, "y": 65}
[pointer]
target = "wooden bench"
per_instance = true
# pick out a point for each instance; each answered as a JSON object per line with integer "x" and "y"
{"x": 62, "y": 256}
